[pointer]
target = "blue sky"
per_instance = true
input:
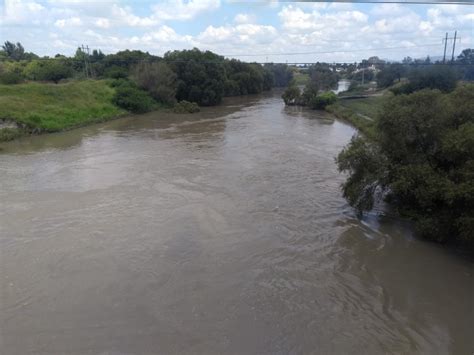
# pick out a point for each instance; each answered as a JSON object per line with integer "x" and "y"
{"x": 248, "y": 30}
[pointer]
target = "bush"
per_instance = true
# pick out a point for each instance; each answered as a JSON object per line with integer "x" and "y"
{"x": 132, "y": 99}
{"x": 53, "y": 70}
{"x": 186, "y": 107}
{"x": 116, "y": 72}
{"x": 8, "y": 134}
{"x": 9, "y": 78}
{"x": 321, "y": 101}
{"x": 121, "y": 82}
{"x": 292, "y": 95}
{"x": 438, "y": 77}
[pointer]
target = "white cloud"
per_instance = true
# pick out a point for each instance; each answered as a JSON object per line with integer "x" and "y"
{"x": 303, "y": 27}
{"x": 18, "y": 12}
{"x": 183, "y": 10}
{"x": 387, "y": 10}
{"x": 102, "y": 22}
{"x": 241, "y": 34}
{"x": 297, "y": 20}
{"x": 68, "y": 22}
{"x": 244, "y": 18}
{"x": 125, "y": 16}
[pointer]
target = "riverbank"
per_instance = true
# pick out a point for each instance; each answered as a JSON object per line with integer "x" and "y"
{"x": 361, "y": 112}
{"x": 34, "y": 108}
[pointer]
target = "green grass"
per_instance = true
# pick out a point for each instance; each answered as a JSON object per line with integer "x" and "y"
{"x": 55, "y": 107}
{"x": 361, "y": 113}
{"x": 370, "y": 106}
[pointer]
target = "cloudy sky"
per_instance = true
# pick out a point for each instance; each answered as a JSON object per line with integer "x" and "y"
{"x": 248, "y": 30}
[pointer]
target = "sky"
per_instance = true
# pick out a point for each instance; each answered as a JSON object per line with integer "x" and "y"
{"x": 263, "y": 31}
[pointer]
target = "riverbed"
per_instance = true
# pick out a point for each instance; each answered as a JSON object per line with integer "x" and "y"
{"x": 223, "y": 232}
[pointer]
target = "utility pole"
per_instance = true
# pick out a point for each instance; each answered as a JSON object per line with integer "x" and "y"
{"x": 85, "y": 60}
{"x": 445, "y": 44}
{"x": 88, "y": 62}
{"x": 454, "y": 45}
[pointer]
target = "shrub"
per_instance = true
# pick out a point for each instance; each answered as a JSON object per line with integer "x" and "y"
{"x": 116, "y": 72}
{"x": 9, "y": 78}
{"x": 292, "y": 95}
{"x": 53, "y": 70}
{"x": 321, "y": 101}
{"x": 132, "y": 99}
{"x": 121, "y": 82}
{"x": 186, "y": 107}
{"x": 8, "y": 134}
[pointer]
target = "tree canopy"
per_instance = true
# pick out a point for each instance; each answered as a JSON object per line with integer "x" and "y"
{"x": 422, "y": 161}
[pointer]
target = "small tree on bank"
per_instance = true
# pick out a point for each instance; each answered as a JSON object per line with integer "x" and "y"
{"x": 158, "y": 79}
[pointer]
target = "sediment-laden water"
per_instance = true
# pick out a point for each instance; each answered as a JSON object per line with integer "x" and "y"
{"x": 223, "y": 232}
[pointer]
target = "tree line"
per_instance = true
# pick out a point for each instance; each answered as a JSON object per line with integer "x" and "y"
{"x": 201, "y": 77}
{"x": 420, "y": 158}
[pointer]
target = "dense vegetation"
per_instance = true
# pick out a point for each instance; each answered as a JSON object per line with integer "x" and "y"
{"x": 39, "y": 107}
{"x": 315, "y": 94}
{"x": 186, "y": 107}
{"x": 421, "y": 160}
{"x": 134, "y": 81}
{"x": 191, "y": 75}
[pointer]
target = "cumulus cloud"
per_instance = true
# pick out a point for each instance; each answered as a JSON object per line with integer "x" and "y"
{"x": 68, "y": 22}
{"x": 243, "y": 34}
{"x": 182, "y": 10}
{"x": 18, "y": 12}
{"x": 342, "y": 29}
{"x": 244, "y": 18}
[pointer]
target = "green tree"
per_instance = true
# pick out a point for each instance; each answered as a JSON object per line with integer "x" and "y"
{"x": 466, "y": 61}
{"x": 439, "y": 77}
{"x": 292, "y": 95}
{"x": 282, "y": 74}
{"x": 158, "y": 79}
{"x": 323, "y": 76}
{"x": 389, "y": 74}
{"x": 14, "y": 51}
{"x": 320, "y": 102}
{"x": 310, "y": 91}
{"x": 422, "y": 161}
{"x": 201, "y": 75}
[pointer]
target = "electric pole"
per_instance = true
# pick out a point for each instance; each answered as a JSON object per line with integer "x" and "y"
{"x": 445, "y": 44}
{"x": 446, "y": 39}
{"x": 87, "y": 64}
{"x": 454, "y": 45}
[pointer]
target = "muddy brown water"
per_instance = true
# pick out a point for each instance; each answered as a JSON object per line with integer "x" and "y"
{"x": 223, "y": 232}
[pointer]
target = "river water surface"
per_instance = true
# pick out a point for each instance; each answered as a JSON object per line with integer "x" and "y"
{"x": 222, "y": 232}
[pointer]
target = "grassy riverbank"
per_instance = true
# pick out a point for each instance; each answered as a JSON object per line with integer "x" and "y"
{"x": 361, "y": 113}
{"x": 39, "y": 107}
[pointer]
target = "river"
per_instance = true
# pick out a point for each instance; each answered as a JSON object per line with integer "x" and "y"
{"x": 222, "y": 232}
